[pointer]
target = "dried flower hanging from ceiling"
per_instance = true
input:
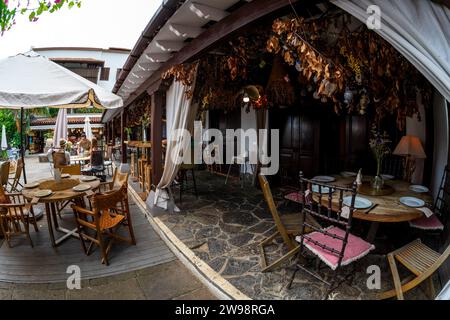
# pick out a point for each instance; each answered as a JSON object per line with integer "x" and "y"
{"x": 185, "y": 73}
{"x": 356, "y": 69}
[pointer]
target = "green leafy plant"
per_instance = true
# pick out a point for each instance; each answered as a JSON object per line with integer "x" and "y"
{"x": 34, "y": 9}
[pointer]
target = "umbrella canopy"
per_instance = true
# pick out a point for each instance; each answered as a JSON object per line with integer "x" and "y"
{"x": 4, "y": 141}
{"x": 32, "y": 81}
{"x": 87, "y": 128}
{"x": 60, "y": 127}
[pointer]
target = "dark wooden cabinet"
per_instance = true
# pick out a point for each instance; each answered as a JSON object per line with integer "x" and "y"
{"x": 299, "y": 141}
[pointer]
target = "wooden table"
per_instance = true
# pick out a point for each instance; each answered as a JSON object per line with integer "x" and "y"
{"x": 50, "y": 206}
{"x": 389, "y": 208}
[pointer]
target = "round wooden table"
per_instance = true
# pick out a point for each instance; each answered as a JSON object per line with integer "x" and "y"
{"x": 388, "y": 209}
{"x": 61, "y": 196}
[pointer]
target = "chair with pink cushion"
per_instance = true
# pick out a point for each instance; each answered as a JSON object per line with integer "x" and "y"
{"x": 441, "y": 208}
{"x": 332, "y": 245}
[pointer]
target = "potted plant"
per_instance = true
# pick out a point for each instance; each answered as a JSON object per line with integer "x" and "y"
{"x": 379, "y": 143}
{"x": 128, "y": 133}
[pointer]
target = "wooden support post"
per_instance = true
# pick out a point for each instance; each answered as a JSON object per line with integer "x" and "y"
{"x": 123, "y": 136}
{"x": 156, "y": 135}
{"x": 113, "y": 138}
{"x": 106, "y": 133}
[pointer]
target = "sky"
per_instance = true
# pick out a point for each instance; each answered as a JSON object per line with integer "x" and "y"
{"x": 98, "y": 23}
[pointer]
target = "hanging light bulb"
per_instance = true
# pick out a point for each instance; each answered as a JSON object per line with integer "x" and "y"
{"x": 246, "y": 98}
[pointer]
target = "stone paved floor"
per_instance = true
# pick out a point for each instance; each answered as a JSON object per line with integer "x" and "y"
{"x": 225, "y": 225}
{"x": 170, "y": 280}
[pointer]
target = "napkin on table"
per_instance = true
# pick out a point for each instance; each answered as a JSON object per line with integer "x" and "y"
{"x": 426, "y": 211}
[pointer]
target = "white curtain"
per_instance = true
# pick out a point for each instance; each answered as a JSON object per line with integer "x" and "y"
{"x": 180, "y": 115}
{"x": 60, "y": 132}
{"x": 418, "y": 29}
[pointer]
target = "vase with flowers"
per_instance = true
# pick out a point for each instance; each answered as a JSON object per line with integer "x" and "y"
{"x": 145, "y": 121}
{"x": 379, "y": 143}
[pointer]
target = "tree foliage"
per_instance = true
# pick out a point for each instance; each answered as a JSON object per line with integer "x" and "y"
{"x": 32, "y": 8}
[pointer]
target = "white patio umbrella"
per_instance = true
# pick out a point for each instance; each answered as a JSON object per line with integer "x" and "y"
{"x": 60, "y": 132}
{"x": 30, "y": 81}
{"x": 4, "y": 141}
{"x": 87, "y": 128}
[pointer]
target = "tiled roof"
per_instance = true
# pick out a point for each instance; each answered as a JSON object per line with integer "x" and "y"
{"x": 71, "y": 120}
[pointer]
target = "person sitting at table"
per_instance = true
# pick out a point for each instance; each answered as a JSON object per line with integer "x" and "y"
{"x": 62, "y": 156}
{"x": 84, "y": 144}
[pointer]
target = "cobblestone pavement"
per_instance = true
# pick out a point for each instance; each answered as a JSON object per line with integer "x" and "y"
{"x": 224, "y": 227}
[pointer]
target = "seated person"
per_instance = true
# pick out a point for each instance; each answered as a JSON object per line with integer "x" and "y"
{"x": 62, "y": 156}
{"x": 84, "y": 145}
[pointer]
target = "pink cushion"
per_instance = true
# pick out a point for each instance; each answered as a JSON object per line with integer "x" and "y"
{"x": 356, "y": 247}
{"x": 424, "y": 223}
{"x": 294, "y": 196}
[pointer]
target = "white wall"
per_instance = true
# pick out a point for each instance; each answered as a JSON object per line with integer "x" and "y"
{"x": 113, "y": 60}
{"x": 248, "y": 121}
{"x": 417, "y": 128}
{"x": 441, "y": 141}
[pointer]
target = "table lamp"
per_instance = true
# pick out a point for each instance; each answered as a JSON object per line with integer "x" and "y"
{"x": 411, "y": 148}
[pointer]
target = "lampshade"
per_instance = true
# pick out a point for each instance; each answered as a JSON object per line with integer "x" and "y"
{"x": 410, "y": 146}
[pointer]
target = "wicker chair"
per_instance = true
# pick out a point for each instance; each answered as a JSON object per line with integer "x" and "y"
{"x": 110, "y": 212}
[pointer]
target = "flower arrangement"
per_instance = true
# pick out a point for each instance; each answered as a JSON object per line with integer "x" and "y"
{"x": 145, "y": 120}
{"x": 379, "y": 143}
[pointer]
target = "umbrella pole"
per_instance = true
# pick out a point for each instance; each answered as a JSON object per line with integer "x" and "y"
{"x": 22, "y": 150}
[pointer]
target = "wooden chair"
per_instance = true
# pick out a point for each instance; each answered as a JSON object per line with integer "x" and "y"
{"x": 16, "y": 214}
{"x": 142, "y": 162}
{"x": 109, "y": 161}
{"x": 419, "y": 260}
{"x": 133, "y": 165}
{"x": 441, "y": 208}
{"x": 15, "y": 184}
{"x": 183, "y": 179}
{"x": 110, "y": 212}
{"x": 148, "y": 178}
{"x": 59, "y": 159}
{"x": 73, "y": 169}
{"x": 119, "y": 179}
{"x": 393, "y": 165}
{"x": 4, "y": 173}
{"x": 288, "y": 226}
{"x": 334, "y": 245}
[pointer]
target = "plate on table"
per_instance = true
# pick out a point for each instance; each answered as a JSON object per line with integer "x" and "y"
{"x": 412, "y": 202}
{"x": 347, "y": 174}
{"x": 323, "y": 179}
{"x": 360, "y": 202}
{"x": 88, "y": 178}
{"x": 65, "y": 175}
{"x": 315, "y": 188}
{"x": 387, "y": 177}
{"x": 81, "y": 187}
{"x": 31, "y": 185}
{"x": 418, "y": 188}
{"x": 43, "y": 193}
